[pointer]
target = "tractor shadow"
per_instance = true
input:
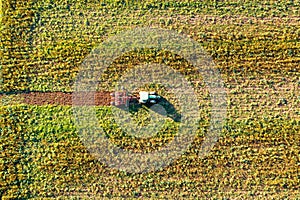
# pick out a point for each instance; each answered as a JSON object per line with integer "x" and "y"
{"x": 163, "y": 107}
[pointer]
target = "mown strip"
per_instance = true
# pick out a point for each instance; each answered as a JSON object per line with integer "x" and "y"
{"x": 54, "y": 98}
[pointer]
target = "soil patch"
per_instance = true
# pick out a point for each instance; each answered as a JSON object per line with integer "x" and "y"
{"x": 62, "y": 98}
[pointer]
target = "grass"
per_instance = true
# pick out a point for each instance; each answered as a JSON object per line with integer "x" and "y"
{"x": 1, "y": 12}
{"x": 257, "y": 156}
{"x": 255, "y": 45}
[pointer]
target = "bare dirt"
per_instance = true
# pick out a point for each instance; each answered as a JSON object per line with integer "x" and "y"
{"x": 63, "y": 98}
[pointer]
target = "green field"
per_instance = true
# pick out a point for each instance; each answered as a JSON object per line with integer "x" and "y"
{"x": 255, "y": 46}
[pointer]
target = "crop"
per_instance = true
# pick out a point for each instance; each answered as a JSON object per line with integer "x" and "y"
{"x": 43, "y": 156}
{"x": 256, "y": 47}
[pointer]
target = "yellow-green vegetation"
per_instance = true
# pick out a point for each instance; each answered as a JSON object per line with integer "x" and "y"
{"x": 1, "y": 11}
{"x": 42, "y": 156}
{"x": 256, "y": 47}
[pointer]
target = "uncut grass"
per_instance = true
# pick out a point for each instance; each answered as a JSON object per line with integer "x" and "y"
{"x": 260, "y": 155}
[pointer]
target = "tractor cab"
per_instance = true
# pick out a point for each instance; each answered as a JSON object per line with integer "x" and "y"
{"x": 148, "y": 97}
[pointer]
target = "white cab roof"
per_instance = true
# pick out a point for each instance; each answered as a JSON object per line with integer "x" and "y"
{"x": 144, "y": 96}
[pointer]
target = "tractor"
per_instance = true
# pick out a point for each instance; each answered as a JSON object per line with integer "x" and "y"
{"x": 125, "y": 101}
{"x": 123, "y": 98}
